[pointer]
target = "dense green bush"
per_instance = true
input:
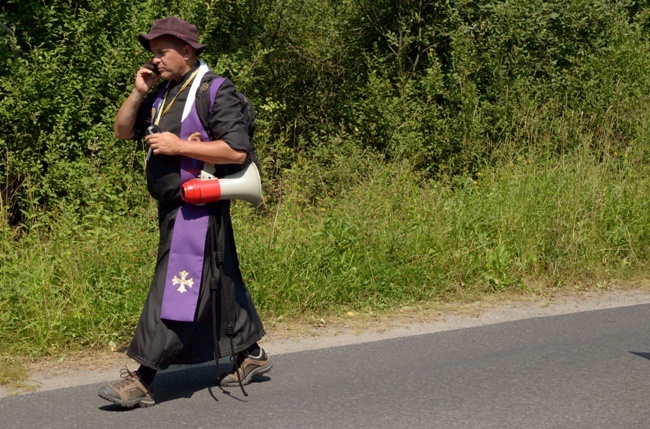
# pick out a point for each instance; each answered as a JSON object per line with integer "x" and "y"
{"x": 452, "y": 85}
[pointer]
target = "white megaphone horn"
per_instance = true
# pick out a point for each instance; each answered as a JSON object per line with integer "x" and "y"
{"x": 243, "y": 185}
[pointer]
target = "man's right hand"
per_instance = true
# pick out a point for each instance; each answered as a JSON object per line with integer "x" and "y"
{"x": 145, "y": 78}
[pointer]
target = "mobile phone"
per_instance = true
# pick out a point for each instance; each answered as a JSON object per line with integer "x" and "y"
{"x": 153, "y": 129}
{"x": 151, "y": 66}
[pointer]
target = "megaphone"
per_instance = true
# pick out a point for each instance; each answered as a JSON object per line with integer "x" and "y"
{"x": 243, "y": 185}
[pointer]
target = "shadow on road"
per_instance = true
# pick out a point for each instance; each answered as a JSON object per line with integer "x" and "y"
{"x": 644, "y": 355}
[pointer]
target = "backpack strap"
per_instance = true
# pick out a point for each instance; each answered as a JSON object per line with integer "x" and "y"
{"x": 206, "y": 104}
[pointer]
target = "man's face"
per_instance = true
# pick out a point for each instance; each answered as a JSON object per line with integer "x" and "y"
{"x": 171, "y": 56}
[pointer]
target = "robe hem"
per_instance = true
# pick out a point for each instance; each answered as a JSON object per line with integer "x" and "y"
{"x": 195, "y": 361}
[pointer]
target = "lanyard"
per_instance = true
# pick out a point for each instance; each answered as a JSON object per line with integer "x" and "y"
{"x": 164, "y": 109}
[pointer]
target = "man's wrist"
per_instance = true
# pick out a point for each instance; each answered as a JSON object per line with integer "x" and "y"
{"x": 137, "y": 96}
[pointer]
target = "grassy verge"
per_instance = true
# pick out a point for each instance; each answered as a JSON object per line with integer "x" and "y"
{"x": 382, "y": 239}
{"x": 392, "y": 239}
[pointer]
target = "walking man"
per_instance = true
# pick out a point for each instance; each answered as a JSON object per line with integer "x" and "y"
{"x": 199, "y": 126}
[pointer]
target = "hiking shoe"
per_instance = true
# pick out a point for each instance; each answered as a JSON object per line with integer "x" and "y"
{"x": 247, "y": 367}
{"x": 129, "y": 392}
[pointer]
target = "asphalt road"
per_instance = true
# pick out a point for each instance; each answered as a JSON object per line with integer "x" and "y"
{"x": 583, "y": 370}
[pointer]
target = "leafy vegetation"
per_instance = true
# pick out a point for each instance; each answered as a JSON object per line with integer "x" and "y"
{"x": 412, "y": 151}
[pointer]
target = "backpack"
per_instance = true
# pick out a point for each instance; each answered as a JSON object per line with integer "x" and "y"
{"x": 248, "y": 113}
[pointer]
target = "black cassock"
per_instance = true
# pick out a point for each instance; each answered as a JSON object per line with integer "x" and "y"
{"x": 159, "y": 343}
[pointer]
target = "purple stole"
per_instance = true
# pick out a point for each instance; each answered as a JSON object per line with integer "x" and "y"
{"x": 185, "y": 265}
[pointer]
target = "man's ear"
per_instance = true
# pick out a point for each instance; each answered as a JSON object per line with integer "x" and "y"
{"x": 187, "y": 52}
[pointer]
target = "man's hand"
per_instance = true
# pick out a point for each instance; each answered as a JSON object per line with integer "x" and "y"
{"x": 164, "y": 143}
{"x": 145, "y": 78}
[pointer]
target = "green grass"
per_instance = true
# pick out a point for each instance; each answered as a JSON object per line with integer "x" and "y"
{"x": 379, "y": 238}
{"x": 79, "y": 283}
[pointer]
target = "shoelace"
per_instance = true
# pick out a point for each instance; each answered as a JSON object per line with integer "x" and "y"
{"x": 127, "y": 378}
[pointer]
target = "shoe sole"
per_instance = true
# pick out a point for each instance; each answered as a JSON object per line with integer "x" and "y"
{"x": 140, "y": 403}
{"x": 254, "y": 373}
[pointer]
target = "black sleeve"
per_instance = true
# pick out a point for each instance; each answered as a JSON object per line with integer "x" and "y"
{"x": 143, "y": 118}
{"x": 226, "y": 121}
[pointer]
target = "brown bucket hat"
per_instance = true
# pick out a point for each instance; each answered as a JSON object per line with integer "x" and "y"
{"x": 173, "y": 26}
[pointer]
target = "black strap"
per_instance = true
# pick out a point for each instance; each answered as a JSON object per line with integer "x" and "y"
{"x": 214, "y": 286}
{"x": 203, "y": 104}
{"x": 227, "y": 293}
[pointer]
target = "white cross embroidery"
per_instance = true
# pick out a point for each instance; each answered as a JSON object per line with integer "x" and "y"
{"x": 183, "y": 281}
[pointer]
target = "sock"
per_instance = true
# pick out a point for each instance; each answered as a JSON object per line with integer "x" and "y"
{"x": 147, "y": 374}
{"x": 254, "y": 350}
